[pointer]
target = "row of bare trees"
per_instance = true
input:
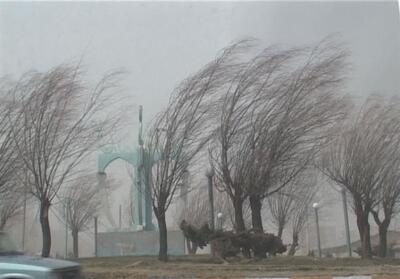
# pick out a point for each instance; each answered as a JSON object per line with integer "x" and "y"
{"x": 290, "y": 207}
{"x": 264, "y": 120}
{"x": 49, "y": 124}
{"x": 364, "y": 159}
{"x": 259, "y": 119}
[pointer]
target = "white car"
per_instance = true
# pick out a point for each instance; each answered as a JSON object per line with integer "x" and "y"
{"x": 17, "y": 265}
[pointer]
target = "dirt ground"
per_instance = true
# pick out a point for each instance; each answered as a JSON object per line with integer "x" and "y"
{"x": 206, "y": 267}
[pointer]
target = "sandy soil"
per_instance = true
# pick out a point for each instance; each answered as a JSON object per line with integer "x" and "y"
{"x": 207, "y": 267}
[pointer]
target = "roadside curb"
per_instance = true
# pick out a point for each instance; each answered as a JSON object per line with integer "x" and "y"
{"x": 392, "y": 276}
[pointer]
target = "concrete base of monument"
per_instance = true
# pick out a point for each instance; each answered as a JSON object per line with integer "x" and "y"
{"x": 138, "y": 243}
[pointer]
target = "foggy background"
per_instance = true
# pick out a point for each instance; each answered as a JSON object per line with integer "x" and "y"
{"x": 158, "y": 44}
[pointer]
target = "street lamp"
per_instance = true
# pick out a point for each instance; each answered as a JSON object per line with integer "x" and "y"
{"x": 210, "y": 174}
{"x": 346, "y": 220}
{"x": 67, "y": 217}
{"x": 316, "y": 206}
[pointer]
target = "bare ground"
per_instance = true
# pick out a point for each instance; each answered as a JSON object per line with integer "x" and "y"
{"x": 134, "y": 267}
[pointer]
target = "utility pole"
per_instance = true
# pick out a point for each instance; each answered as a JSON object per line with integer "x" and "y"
{"x": 308, "y": 234}
{"x": 346, "y": 220}
{"x": 95, "y": 236}
{"x": 24, "y": 221}
{"x": 315, "y": 206}
{"x": 210, "y": 175}
{"x": 66, "y": 227}
{"x": 120, "y": 217}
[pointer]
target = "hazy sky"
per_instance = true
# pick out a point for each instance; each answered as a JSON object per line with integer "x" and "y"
{"x": 160, "y": 43}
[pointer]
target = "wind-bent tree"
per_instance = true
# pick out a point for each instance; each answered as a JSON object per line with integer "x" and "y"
{"x": 232, "y": 151}
{"x": 180, "y": 132}
{"x": 275, "y": 115}
{"x": 363, "y": 158}
{"x": 388, "y": 207}
{"x": 57, "y": 124}
{"x": 389, "y": 190}
{"x": 81, "y": 201}
{"x": 9, "y": 160}
{"x": 304, "y": 111}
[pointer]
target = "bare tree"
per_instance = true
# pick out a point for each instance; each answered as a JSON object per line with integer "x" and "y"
{"x": 58, "y": 120}
{"x": 363, "y": 159}
{"x": 231, "y": 153}
{"x": 180, "y": 132}
{"x": 387, "y": 208}
{"x": 290, "y": 205}
{"x": 80, "y": 203}
{"x": 223, "y": 204}
{"x": 9, "y": 160}
{"x": 389, "y": 188}
{"x": 195, "y": 214}
{"x": 11, "y": 204}
{"x": 281, "y": 207}
{"x": 301, "y": 121}
{"x": 276, "y": 114}
{"x": 301, "y": 210}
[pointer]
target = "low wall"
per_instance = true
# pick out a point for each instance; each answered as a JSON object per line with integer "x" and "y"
{"x": 140, "y": 243}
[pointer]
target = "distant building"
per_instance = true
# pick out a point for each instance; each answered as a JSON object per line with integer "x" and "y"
{"x": 393, "y": 242}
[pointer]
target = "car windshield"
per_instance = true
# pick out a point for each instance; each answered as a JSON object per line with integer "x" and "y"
{"x": 7, "y": 246}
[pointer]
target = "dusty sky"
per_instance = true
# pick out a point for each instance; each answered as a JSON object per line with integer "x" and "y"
{"x": 160, "y": 43}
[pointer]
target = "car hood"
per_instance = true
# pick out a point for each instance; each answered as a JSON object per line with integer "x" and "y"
{"x": 38, "y": 261}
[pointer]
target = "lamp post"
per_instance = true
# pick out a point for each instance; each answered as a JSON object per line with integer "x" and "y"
{"x": 210, "y": 174}
{"x": 316, "y": 206}
{"x": 346, "y": 220}
{"x": 66, "y": 206}
{"x": 24, "y": 219}
{"x": 95, "y": 237}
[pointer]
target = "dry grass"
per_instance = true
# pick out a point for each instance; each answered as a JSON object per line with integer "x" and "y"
{"x": 207, "y": 267}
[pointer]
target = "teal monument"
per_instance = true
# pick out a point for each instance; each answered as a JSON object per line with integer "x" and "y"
{"x": 140, "y": 188}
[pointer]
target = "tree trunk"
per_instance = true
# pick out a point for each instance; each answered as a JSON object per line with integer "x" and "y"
{"x": 75, "y": 239}
{"x": 280, "y": 230}
{"x": 239, "y": 220}
{"x": 364, "y": 230}
{"x": 383, "y": 229}
{"x": 295, "y": 243}
{"x": 367, "y": 251}
{"x": 162, "y": 227}
{"x": 191, "y": 246}
{"x": 256, "y": 205}
{"x": 45, "y": 225}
